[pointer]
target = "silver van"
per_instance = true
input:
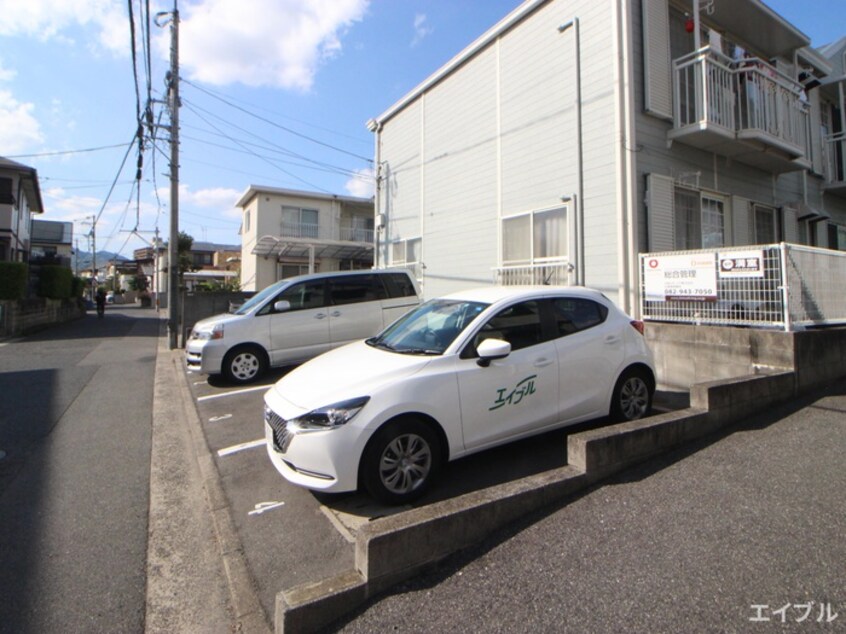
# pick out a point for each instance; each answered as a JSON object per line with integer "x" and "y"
{"x": 298, "y": 318}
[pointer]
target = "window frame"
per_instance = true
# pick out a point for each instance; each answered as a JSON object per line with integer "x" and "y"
{"x": 532, "y": 236}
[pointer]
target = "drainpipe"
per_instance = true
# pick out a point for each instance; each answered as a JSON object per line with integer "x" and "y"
{"x": 376, "y": 128}
{"x": 580, "y": 205}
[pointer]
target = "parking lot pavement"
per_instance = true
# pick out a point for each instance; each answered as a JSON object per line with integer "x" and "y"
{"x": 290, "y": 535}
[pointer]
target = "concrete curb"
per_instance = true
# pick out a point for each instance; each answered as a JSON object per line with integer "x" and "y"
{"x": 244, "y": 602}
{"x": 395, "y": 548}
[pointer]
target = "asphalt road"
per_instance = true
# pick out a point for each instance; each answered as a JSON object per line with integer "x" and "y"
{"x": 743, "y": 532}
{"x": 75, "y": 426}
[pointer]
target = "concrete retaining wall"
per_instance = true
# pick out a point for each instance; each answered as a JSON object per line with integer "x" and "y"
{"x": 27, "y": 315}
{"x": 686, "y": 355}
{"x": 199, "y": 305}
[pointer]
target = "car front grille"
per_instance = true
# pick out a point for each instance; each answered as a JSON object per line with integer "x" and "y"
{"x": 281, "y": 436}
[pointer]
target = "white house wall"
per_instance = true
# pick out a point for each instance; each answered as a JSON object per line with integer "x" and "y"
{"x": 498, "y": 137}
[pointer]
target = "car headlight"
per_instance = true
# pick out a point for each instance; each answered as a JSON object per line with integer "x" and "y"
{"x": 330, "y": 416}
{"x": 216, "y": 332}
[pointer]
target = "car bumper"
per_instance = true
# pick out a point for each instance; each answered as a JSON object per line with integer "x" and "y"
{"x": 325, "y": 460}
{"x": 204, "y": 356}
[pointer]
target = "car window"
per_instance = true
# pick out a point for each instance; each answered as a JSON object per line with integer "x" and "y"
{"x": 354, "y": 289}
{"x": 399, "y": 285}
{"x": 519, "y": 325}
{"x": 303, "y": 295}
{"x": 573, "y": 314}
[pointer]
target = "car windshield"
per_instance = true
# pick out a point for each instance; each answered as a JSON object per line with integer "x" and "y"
{"x": 260, "y": 297}
{"x": 430, "y": 328}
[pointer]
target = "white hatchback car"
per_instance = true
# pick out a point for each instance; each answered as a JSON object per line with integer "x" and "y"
{"x": 457, "y": 375}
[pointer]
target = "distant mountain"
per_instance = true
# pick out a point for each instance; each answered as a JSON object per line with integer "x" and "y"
{"x": 103, "y": 259}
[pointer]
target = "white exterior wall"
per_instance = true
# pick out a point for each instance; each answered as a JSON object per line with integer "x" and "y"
{"x": 498, "y": 137}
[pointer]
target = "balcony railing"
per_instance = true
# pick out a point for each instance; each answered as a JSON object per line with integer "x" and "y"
{"x": 744, "y": 100}
{"x": 356, "y": 234}
{"x": 557, "y": 273}
{"x": 834, "y": 161}
{"x": 309, "y": 231}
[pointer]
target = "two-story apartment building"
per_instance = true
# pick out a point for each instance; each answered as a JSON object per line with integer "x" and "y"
{"x": 575, "y": 134}
{"x": 20, "y": 197}
{"x": 286, "y": 232}
{"x": 51, "y": 242}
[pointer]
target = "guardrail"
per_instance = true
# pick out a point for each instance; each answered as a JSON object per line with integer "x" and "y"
{"x": 785, "y": 286}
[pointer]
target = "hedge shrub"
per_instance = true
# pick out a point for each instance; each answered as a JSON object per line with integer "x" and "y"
{"x": 13, "y": 280}
{"x": 78, "y": 286}
{"x": 55, "y": 282}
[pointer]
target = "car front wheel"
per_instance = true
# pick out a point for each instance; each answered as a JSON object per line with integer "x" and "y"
{"x": 632, "y": 396}
{"x": 244, "y": 364}
{"x": 401, "y": 461}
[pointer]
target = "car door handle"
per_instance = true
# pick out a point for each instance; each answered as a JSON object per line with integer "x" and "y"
{"x": 542, "y": 363}
{"x": 337, "y": 313}
{"x": 320, "y": 316}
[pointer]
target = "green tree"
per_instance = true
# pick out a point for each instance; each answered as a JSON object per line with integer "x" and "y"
{"x": 183, "y": 248}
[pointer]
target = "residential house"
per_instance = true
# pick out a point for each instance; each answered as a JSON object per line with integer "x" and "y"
{"x": 287, "y": 232}
{"x": 20, "y": 197}
{"x": 574, "y": 135}
{"x": 51, "y": 242}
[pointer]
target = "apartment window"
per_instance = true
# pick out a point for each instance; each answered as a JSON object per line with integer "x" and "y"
{"x": 406, "y": 251}
{"x": 6, "y": 197}
{"x": 299, "y": 223}
{"x": 535, "y": 237}
{"x": 836, "y": 237}
{"x": 292, "y": 270}
{"x": 699, "y": 219}
{"x": 246, "y": 221}
{"x": 766, "y": 224}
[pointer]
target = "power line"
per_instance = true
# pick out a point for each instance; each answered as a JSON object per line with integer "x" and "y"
{"x": 277, "y": 125}
{"x": 301, "y": 121}
{"x": 195, "y": 108}
{"x": 302, "y": 180}
{"x": 61, "y": 152}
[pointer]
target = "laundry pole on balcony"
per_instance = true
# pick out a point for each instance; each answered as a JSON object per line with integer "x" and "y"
{"x": 697, "y": 34}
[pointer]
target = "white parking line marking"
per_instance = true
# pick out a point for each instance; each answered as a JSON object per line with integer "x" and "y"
{"x": 215, "y": 419}
{"x": 242, "y": 447}
{"x": 263, "y": 507}
{"x": 200, "y": 382}
{"x": 233, "y": 393}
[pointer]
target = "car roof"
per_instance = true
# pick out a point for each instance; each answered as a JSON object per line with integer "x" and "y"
{"x": 494, "y": 294}
{"x": 329, "y": 274}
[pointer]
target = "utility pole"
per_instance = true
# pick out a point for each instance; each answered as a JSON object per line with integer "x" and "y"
{"x": 173, "y": 246}
{"x": 93, "y": 242}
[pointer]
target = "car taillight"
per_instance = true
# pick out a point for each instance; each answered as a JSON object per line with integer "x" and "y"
{"x": 637, "y": 325}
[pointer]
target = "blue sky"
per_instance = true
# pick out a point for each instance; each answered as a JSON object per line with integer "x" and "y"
{"x": 277, "y": 93}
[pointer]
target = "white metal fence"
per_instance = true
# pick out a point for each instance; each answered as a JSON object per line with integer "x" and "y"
{"x": 559, "y": 273}
{"x": 786, "y": 286}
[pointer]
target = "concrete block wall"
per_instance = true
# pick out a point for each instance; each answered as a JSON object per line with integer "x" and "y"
{"x": 23, "y": 316}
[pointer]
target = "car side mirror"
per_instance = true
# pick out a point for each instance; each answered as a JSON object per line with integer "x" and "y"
{"x": 281, "y": 306}
{"x": 491, "y": 350}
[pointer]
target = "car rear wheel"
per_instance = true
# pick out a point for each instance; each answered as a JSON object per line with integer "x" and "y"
{"x": 244, "y": 364}
{"x": 632, "y": 396}
{"x": 400, "y": 461}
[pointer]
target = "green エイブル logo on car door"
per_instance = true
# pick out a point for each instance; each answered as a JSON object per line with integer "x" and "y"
{"x": 522, "y": 390}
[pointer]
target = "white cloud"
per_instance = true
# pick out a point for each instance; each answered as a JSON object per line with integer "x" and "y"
{"x": 6, "y": 74}
{"x": 49, "y": 19}
{"x": 19, "y": 129}
{"x": 222, "y": 199}
{"x": 278, "y": 43}
{"x": 420, "y": 29}
{"x": 362, "y": 184}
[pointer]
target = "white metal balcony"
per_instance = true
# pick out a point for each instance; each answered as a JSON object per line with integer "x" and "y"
{"x": 744, "y": 109}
